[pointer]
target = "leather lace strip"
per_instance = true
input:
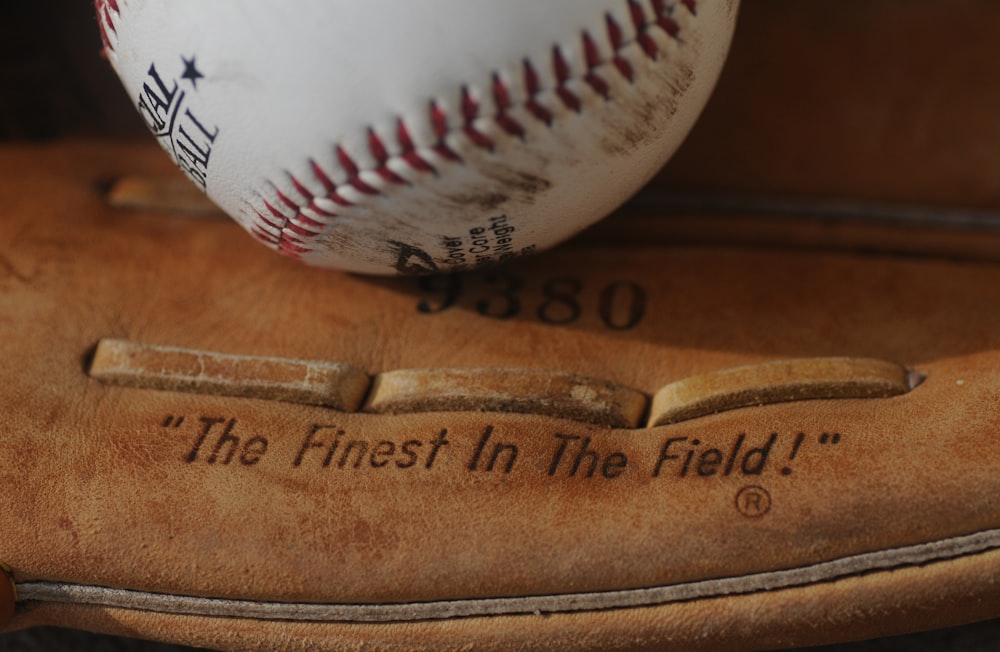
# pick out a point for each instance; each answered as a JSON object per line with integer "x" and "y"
{"x": 778, "y": 382}
{"x": 827, "y": 571}
{"x": 326, "y": 384}
{"x": 529, "y": 391}
{"x": 523, "y": 391}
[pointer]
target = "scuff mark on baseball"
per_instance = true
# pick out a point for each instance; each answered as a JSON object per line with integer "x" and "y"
{"x": 398, "y": 137}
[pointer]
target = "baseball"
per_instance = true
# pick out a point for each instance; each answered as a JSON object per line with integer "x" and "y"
{"x": 404, "y": 136}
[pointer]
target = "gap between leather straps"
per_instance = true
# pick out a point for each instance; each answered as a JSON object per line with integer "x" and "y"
{"x": 8, "y": 593}
{"x": 822, "y": 208}
{"x": 828, "y": 571}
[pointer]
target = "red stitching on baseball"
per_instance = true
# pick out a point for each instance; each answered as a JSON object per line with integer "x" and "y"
{"x": 264, "y": 236}
{"x": 328, "y": 185}
{"x": 470, "y": 111}
{"x": 439, "y": 122}
{"x": 265, "y": 220}
{"x": 534, "y": 86}
{"x": 259, "y": 226}
{"x": 306, "y": 221}
{"x": 381, "y": 155}
{"x": 275, "y": 213}
{"x": 289, "y": 229}
{"x": 592, "y": 56}
{"x": 303, "y": 221}
{"x": 322, "y": 212}
{"x": 617, "y": 39}
{"x": 332, "y": 193}
{"x": 106, "y": 22}
{"x": 296, "y": 227}
{"x": 501, "y": 97}
{"x": 409, "y": 150}
{"x": 561, "y": 69}
{"x": 664, "y": 18}
{"x": 646, "y": 41}
{"x": 288, "y": 201}
{"x": 353, "y": 173}
{"x": 301, "y": 189}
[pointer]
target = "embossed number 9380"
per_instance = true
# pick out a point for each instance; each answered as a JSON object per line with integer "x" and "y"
{"x": 620, "y": 305}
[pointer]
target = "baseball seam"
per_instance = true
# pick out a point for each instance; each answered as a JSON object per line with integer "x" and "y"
{"x": 107, "y": 13}
{"x": 287, "y": 223}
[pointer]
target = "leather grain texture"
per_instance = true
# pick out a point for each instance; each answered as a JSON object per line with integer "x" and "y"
{"x": 247, "y": 521}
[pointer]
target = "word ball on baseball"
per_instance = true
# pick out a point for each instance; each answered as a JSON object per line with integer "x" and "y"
{"x": 417, "y": 136}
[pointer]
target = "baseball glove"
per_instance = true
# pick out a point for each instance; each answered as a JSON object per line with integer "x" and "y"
{"x": 719, "y": 420}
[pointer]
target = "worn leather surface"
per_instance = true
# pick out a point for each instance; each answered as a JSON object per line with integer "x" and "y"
{"x": 882, "y": 100}
{"x": 864, "y": 516}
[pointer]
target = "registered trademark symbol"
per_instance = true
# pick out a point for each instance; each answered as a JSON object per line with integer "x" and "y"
{"x": 753, "y": 501}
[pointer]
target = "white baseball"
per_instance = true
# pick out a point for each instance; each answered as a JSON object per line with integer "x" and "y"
{"x": 413, "y": 136}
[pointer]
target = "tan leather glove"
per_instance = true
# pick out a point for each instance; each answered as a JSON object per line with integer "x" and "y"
{"x": 768, "y": 424}
{"x": 641, "y": 445}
